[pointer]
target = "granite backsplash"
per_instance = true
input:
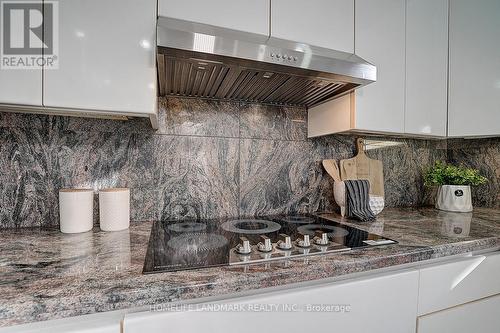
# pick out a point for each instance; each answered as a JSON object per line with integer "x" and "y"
{"x": 208, "y": 159}
{"x": 483, "y": 154}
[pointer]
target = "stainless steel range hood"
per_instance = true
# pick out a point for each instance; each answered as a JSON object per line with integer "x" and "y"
{"x": 196, "y": 60}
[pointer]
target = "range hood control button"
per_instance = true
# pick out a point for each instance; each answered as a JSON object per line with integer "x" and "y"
{"x": 266, "y": 245}
{"x": 285, "y": 242}
{"x": 303, "y": 241}
{"x": 244, "y": 246}
{"x": 321, "y": 238}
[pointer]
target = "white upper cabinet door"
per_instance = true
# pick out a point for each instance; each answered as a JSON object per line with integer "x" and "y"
{"x": 380, "y": 39}
{"x": 20, "y": 86}
{"x": 474, "y": 80}
{"x": 248, "y": 16}
{"x": 106, "y": 57}
{"x": 323, "y": 23}
{"x": 426, "y": 67}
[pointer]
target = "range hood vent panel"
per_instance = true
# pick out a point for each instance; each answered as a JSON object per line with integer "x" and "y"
{"x": 236, "y": 69}
{"x": 194, "y": 78}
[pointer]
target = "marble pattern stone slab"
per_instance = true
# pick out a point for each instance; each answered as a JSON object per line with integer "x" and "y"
{"x": 482, "y": 154}
{"x": 273, "y": 122}
{"x": 48, "y": 275}
{"x": 26, "y": 197}
{"x": 282, "y": 177}
{"x": 200, "y": 179}
{"x": 208, "y": 159}
{"x": 189, "y": 116}
{"x": 404, "y": 165}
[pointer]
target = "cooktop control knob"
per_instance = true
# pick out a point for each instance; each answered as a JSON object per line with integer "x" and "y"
{"x": 285, "y": 242}
{"x": 321, "y": 238}
{"x": 244, "y": 246}
{"x": 266, "y": 245}
{"x": 303, "y": 240}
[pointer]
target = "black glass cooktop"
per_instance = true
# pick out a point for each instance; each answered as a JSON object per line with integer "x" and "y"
{"x": 181, "y": 245}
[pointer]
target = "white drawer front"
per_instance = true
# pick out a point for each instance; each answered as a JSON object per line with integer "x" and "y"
{"x": 385, "y": 303}
{"x": 444, "y": 286}
{"x": 481, "y": 316}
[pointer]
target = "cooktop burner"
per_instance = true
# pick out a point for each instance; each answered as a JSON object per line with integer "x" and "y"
{"x": 181, "y": 245}
{"x": 300, "y": 219}
{"x": 187, "y": 227}
{"x": 330, "y": 230}
{"x": 251, "y": 226}
{"x": 197, "y": 242}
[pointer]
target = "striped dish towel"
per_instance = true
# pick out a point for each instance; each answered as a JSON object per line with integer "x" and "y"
{"x": 357, "y": 200}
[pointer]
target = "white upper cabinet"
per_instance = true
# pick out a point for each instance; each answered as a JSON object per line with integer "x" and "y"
{"x": 248, "y": 16}
{"x": 21, "y": 86}
{"x": 106, "y": 57}
{"x": 474, "y": 79}
{"x": 323, "y": 23}
{"x": 380, "y": 39}
{"x": 426, "y": 67}
{"x": 408, "y": 42}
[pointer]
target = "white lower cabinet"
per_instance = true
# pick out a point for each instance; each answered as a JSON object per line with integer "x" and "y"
{"x": 480, "y": 316}
{"x": 381, "y": 303}
{"x": 450, "y": 284}
{"x": 460, "y": 296}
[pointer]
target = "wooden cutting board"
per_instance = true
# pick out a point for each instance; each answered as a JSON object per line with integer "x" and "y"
{"x": 363, "y": 167}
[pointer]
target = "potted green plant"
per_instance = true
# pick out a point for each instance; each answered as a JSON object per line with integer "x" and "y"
{"x": 454, "y": 183}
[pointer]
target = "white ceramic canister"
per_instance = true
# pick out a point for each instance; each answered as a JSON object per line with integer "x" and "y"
{"x": 76, "y": 210}
{"x": 114, "y": 209}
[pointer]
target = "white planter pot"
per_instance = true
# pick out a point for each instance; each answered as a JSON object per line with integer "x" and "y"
{"x": 454, "y": 198}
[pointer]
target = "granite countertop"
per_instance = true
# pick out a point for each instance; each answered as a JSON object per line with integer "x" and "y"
{"x": 47, "y": 275}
